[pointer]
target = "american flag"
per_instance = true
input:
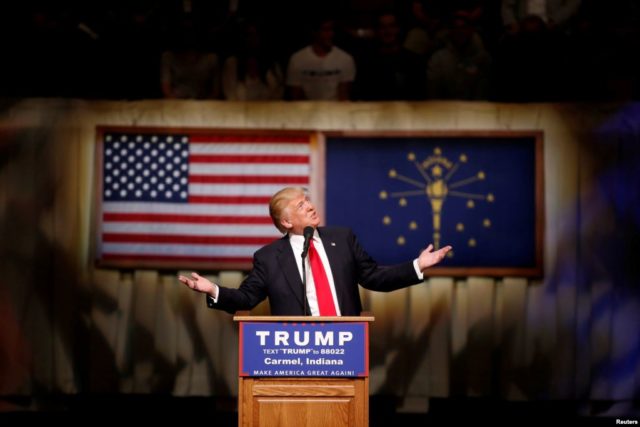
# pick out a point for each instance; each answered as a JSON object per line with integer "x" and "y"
{"x": 192, "y": 197}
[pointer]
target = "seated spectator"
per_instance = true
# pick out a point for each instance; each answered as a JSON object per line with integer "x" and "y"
{"x": 188, "y": 71}
{"x": 390, "y": 71}
{"x": 555, "y": 13}
{"x": 250, "y": 74}
{"x": 461, "y": 69}
{"x": 321, "y": 71}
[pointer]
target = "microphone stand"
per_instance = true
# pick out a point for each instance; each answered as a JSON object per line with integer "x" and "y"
{"x": 303, "y": 255}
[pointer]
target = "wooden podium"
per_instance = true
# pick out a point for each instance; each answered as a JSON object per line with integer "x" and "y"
{"x": 299, "y": 381}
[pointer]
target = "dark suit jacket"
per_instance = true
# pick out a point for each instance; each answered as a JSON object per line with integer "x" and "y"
{"x": 275, "y": 275}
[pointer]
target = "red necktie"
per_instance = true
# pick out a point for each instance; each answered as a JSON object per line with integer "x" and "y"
{"x": 323, "y": 291}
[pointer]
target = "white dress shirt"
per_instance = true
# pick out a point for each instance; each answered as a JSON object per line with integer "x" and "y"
{"x": 297, "y": 241}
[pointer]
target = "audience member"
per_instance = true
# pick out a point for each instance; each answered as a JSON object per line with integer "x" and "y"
{"x": 188, "y": 70}
{"x": 555, "y": 13}
{"x": 251, "y": 74}
{"x": 390, "y": 71}
{"x": 460, "y": 70}
{"x": 321, "y": 71}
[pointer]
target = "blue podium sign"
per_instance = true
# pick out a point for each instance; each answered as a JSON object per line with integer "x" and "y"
{"x": 322, "y": 349}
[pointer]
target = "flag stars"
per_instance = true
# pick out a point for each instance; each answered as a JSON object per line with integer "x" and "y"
{"x": 470, "y": 204}
{"x": 401, "y": 241}
{"x": 490, "y": 198}
{"x": 383, "y": 195}
{"x": 486, "y": 223}
{"x": 402, "y": 202}
{"x": 386, "y": 220}
{"x": 463, "y": 158}
{"x": 460, "y": 227}
{"x": 472, "y": 243}
{"x": 411, "y": 156}
{"x": 481, "y": 175}
{"x": 413, "y": 225}
{"x": 392, "y": 173}
{"x": 139, "y": 164}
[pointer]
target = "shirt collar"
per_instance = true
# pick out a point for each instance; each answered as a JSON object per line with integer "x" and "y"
{"x": 299, "y": 238}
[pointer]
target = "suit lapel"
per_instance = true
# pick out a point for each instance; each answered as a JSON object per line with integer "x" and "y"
{"x": 287, "y": 262}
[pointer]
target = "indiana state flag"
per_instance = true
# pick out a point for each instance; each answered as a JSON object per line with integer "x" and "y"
{"x": 400, "y": 194}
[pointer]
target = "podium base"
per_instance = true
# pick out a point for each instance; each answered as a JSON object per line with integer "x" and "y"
{"x": 303, "y": 402}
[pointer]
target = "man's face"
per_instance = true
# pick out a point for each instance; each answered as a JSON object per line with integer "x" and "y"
{"x": 299, "y": 214}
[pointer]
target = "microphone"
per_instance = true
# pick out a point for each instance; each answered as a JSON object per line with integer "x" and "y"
{"x": 307, "y": 233}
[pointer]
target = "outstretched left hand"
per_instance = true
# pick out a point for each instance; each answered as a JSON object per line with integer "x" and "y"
{"x": 429, "y": 257}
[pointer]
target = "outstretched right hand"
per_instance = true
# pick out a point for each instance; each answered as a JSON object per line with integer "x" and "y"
{"x": 200, "y": 284}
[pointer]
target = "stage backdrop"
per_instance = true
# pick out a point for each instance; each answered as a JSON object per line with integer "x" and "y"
{"x": 69, "y": 327}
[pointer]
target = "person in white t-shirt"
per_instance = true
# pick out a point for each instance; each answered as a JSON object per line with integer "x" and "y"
{"x": 321, "y": 71}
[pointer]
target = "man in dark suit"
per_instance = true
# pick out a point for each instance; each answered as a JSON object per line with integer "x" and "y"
{"x": 277, "y": 267}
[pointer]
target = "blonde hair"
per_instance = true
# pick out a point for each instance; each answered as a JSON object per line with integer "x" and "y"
{"x": 279, "y": 202}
